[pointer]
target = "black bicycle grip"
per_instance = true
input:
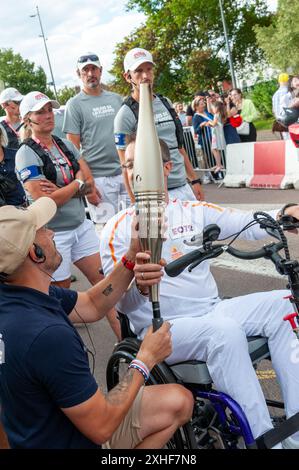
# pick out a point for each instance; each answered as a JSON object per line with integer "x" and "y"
{"x": 248, "y": 255}
{"x": 175, "y": 268}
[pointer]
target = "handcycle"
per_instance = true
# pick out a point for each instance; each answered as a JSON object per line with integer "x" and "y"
{"x": 218, "y": 421}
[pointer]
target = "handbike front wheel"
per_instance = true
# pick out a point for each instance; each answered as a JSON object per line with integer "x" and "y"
{"x": 117, "y": 366}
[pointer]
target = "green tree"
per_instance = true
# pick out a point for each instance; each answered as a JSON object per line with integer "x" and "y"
{"x": 21, "y": 73}
{"x": 199, "y": 25}
{"x": 186, "y": 39}
{"x": 65, "y": 93}
{"x": 280, "y": 40}
{"x": 175, "y": 76}
{"x": 261, "y": 95}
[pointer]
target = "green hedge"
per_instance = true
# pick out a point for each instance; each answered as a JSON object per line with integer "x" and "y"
{"x": 261, "y": 95}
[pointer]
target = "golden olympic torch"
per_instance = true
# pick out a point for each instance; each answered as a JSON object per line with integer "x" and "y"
{"x": 149, "y": 189}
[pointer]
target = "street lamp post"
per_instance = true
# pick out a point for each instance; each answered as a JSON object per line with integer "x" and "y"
{"x": 231, "y": 65}
{"x": 47, "y": 53}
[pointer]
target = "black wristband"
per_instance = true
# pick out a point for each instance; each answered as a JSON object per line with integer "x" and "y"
{"x": 198, "y": 180}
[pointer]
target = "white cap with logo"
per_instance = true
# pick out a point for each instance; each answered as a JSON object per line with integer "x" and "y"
{"x": 88, "y": 58}
{"x": 136, "y": 57}
{"x": 34, "y": 101}
{"x": 10, "y": 94}
{"x": 18, "y": 227}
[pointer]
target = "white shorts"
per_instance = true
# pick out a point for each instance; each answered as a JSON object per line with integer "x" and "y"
{"x": 114, "y": 198}
{"x": 184, "y": 193}
{"x": 74, "y": 245}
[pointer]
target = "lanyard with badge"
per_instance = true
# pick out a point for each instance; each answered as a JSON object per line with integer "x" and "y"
{"x": 64, "y": 158}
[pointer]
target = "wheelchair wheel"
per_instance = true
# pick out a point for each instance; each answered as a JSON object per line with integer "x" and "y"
{"x": 117, "y": 366}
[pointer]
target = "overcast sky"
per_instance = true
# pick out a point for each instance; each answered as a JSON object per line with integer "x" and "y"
{"x": 72, "y": 27}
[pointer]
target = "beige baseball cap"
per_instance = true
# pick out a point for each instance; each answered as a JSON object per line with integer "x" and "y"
{"x": 18, "y": 228}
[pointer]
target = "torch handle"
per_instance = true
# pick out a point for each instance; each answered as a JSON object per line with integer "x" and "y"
{"x": 157, "y": 319}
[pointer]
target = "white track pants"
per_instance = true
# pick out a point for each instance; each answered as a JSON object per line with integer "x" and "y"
{"x": 219, "y": 339}
{"x": 114, "y": 198}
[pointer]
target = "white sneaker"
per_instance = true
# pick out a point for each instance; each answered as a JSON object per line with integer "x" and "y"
{"x": 290, "y": 443}
{"x": 206, "y": 179}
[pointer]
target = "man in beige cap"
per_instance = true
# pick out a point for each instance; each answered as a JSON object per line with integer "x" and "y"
{"x": 48, "y": 395}
{"x": 10, "y": 100}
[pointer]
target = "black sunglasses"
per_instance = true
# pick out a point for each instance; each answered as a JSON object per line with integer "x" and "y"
{"x": 86, "y": 58}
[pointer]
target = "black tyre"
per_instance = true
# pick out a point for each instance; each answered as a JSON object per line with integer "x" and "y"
{"x": 123, "y": 354}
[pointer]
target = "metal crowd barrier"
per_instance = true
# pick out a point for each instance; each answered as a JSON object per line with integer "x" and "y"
{"x": 189, "y": 146}
{"x": 202, "y": 158}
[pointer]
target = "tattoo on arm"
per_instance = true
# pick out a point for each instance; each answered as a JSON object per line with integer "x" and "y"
{"x": 108, "y": 290}
{"x": 117, "y": 394}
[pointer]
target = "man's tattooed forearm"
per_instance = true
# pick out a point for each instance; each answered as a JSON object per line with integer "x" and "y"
{"x": 108, "y": 290}
{"x": 117, "y": 394}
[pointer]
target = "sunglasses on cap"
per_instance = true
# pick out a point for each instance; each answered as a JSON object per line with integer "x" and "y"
{"x": 86, "y": 58}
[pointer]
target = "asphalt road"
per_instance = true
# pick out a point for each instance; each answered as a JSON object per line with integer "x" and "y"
{"x": 233, "y": 278}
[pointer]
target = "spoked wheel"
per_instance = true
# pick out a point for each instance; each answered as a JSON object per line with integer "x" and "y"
{"x": 117, "y": 366}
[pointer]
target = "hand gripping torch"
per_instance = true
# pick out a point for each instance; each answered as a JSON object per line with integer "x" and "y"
{"x": 149, "y": 189}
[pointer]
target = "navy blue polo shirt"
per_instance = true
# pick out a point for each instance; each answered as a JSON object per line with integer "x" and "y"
{"x": 46, "y": 368}
{"x": 15, "y": 197}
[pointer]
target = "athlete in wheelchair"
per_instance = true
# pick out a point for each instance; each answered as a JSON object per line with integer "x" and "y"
{"x": 212, "y": 337}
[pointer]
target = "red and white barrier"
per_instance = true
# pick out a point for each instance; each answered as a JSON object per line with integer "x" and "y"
{"x": 273, "y": 165}
{"x": 239, "y": 165}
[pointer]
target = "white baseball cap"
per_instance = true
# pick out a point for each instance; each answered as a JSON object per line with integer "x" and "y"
{"x": 136, "y": 57}
{"x": 10, "y": 94}
{"x": 88, "y": 58}
{"x": 34, "y": 101}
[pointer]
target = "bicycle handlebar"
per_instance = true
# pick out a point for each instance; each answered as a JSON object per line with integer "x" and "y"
{"x": 175, "y": 268}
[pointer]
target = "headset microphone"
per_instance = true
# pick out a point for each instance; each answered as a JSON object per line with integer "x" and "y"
{"x": 132, "y": 81}
{"x": 33, "y": 122}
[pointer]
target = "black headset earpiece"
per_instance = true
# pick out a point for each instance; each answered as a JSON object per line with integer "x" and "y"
{"x": 38, "y": 251}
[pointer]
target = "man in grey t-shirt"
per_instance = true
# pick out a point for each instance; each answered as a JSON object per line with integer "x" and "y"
{"x": 139, "y": 68}
{"x": 88, "y": 122}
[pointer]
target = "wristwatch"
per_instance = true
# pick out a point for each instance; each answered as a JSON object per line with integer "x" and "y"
{"x": 81, "y": 184}
{"x": 196, "y": 181}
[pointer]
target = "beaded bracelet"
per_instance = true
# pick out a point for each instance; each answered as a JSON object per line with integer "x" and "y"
{"x": 141, "y": 367}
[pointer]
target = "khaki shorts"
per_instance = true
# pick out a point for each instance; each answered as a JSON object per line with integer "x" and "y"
{"x": 127, "y": 435}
